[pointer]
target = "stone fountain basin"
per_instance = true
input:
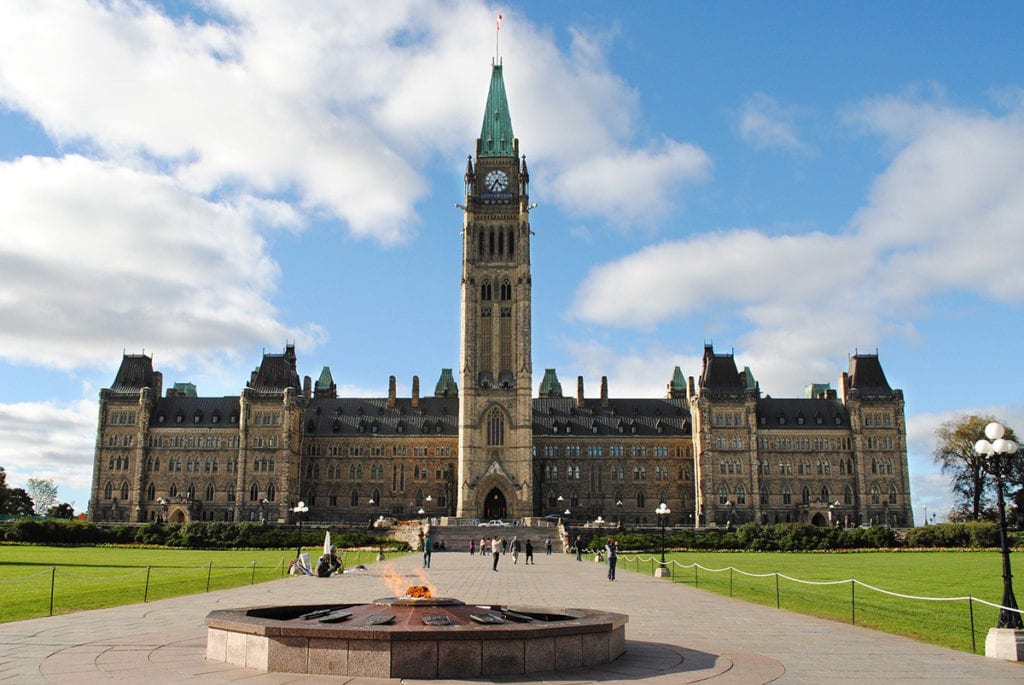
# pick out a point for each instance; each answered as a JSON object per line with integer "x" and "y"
{"x": 277, "y": 639}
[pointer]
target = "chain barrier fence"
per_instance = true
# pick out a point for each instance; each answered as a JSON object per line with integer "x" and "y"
{"x": 654, "y": 562}
{"x": 59, "y": 590}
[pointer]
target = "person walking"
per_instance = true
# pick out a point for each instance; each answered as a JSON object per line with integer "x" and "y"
{"x": 515, "y": 549}
{"x": 428, "y": 547}
{"x": 547, "y": 546}
{"x": 529, "y": 552}
{"x": 611, "y": 550}
{"x": 579, "y": 548}
{"x": 472, "y": 546}
{"x": 495, "y": 552}
{"x": 483, "y": 546}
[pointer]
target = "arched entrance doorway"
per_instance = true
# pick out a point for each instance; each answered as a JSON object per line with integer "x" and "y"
{"x": 495, "y": 506}
{"x": 819, "y": 520}
{"x": 177, "y": 515}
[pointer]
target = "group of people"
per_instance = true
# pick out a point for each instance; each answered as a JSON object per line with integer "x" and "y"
{"x": 328, "y": 564}
{"x": 499, "y": 546}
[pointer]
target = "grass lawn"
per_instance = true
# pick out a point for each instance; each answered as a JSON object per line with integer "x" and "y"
{"x": 917, "y": 573}
{"x": 96, "y": 577}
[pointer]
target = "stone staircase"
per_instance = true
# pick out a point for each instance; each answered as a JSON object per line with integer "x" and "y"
{"x": 456, "y": 538}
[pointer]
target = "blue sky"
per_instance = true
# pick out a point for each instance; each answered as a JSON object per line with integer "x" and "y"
{"x": 792, "y": 181}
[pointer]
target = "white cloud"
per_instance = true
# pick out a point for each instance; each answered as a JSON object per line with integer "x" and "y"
{"x": 641, "y": 373}
{"x": 766, "y": 124}
{"x": 99, "y": 257}
{"x": 944, "y": 216}
{"x": 48, "y": 440}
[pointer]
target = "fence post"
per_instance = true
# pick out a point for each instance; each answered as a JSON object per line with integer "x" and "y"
{"x": 777, "y": 601}
{"x": 730, "y": 581}
{"x": 145, "y": 594}
{"x": 695, "y": 580}
{"x": 853, "y": 601}
{"x": 970, "y": 604}
{"x": 253, "y": 581}
{"x": 209, "y": 572}
{"x": 53, "y": 574}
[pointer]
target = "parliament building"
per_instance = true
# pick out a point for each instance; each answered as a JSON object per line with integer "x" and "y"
{"x": 713, "y": 448}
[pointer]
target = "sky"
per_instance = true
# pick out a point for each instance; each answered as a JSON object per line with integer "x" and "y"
{"x": 793, "y": 182}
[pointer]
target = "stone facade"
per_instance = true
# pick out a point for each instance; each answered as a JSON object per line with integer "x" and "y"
{"x": 714, "y": 449}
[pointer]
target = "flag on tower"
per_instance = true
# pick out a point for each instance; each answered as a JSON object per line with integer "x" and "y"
{"x": 499, "y": 22}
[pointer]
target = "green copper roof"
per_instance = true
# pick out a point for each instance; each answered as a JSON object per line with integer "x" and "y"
{"x": 446, "y": 385}
{"x": 186, "y": 389}
{"x": 678, "y": 380}
{"x": 550, "y": 387}
{"x": 815, "y": 390}
{"x": 496, "y": 134}
{"x": 326, "y": 380}
{"x": 749, "y": 377}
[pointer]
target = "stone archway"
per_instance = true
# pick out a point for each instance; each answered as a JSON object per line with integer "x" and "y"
{"x": 819, "y": 520}
{"x": 495, "y": 505}
{"x": 177, "y": 515}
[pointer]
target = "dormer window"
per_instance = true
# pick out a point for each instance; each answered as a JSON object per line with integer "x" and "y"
{"x": 161, "y": 418}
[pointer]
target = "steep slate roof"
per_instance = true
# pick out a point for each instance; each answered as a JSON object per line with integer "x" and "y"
{"x": 794, "y": 413}
{"x": 276, "y": 373}
{"x": 198, "y": 412}
{"x": 136, "y": 372}
{"x": 719, "y": 376}
{"x": 348, "y": 417}
{"x": 647, "y": 417}
{"x": 866, "y": 375}
{"x": 496, "y": 133}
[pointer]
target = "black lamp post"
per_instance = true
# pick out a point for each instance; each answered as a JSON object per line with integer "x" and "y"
{"x": 997, "y": 455}
{"x": 618, "y": 512}
{"x": 299, "y": 510}
{"x": 662, "y": 512}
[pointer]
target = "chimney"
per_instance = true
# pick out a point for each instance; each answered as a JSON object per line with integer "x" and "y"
{"x": 415, "y": 391}
{"x": 604, "y": 391}
{"x": 579, "y": 391}
{"x": 391, "y": 392}
{"x": 307, "y": 386}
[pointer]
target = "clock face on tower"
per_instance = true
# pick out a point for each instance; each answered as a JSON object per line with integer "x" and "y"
{"x": 496, "y": 181}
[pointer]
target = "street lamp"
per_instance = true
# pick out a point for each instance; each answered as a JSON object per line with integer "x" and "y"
{"x": 926, "y": 514}
{"x": 833, "y": 520}
{"x": 618, "y": 512}
{"x": 379, "y": 524}
{"x": 300, "y": 509}
{"x": 662, "y": 512}
{"x": 996, "y": 456}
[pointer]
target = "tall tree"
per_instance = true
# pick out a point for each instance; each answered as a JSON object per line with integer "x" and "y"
{"x": 43, "y": 492}
{"x": 5, "y": 493}
{"x": 19, "y": 503}
{"x": 61, "y": 511}
{"x": 954, "y": 452}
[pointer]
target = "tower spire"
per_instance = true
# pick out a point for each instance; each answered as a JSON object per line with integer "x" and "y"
{"x": 496, "y": 137}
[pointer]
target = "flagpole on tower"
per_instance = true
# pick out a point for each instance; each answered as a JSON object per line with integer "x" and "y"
{"x": 497, "y": 37}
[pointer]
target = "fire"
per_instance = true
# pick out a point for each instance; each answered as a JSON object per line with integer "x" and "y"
{"x": 399, "y": 584}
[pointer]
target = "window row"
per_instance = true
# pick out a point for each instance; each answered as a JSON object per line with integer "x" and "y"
{"x": 194, "y": 441}
{"x": 572, "y": 472}
{"x": 612, "y": 450}
{"x": 122, "y": 418}
{"x": 821, "y": 467}
{"x": 804, "y": 443}
{"x": 197, "y": 417}
{"x": 126, "y": 440}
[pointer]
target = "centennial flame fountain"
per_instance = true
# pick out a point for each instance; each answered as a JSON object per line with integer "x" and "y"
{"x": 414, "y": 636}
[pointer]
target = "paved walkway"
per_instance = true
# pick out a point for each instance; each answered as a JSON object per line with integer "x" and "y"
{"x": 676, "y": 634}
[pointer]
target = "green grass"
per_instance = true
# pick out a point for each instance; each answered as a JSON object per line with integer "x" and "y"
{"x": 97, "y": 577}
{"x": 917, "y": 573}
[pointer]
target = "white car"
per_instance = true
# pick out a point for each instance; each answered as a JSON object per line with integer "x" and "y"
{"x": 496, "y": 523}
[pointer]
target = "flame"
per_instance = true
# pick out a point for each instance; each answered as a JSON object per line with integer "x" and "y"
{"x": 418, "y": 591}
{"x": 399, "y": 585}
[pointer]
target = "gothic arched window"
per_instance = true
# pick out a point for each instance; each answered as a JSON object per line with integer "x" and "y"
{"x": 495, "y": 427}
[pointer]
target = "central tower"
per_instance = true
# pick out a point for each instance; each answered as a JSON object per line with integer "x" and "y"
{"x": 495, "y": 405}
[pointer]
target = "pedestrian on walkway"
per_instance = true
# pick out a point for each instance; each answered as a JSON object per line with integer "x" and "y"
{"x": 483, "y": 546}
{"x": 472, "y": 546}
{"x": 579, "y": 548}
{"x": 495, "y": 552}
{"x": 529, "y": 551}
{"x": 428, "y": 547}
{"x": 547, "y": 546}
{"x": 611, "y": 550}
{"x": 515, "y": 549}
